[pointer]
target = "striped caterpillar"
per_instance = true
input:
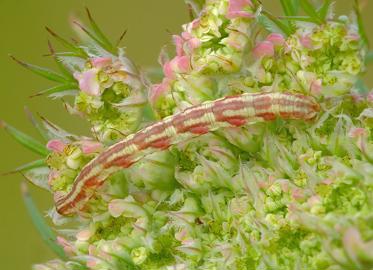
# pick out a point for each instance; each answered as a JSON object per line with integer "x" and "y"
{"x": 194, "y": 121}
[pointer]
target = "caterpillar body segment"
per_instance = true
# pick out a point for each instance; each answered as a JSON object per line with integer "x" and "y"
{"x": 194, "y": 121}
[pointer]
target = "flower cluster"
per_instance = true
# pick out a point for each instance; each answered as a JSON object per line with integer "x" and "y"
{"x": 67, "y": 159}
{"x": 212, "y": 44}
{"x": 111, "y": 96}
{"x": 275, "y": 195}
{"x": 318, "y": 60}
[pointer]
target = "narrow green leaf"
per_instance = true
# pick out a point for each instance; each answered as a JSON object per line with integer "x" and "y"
{"x": 38, "y": 220}
{"x": 369, "y": 57}
{"x": 310, "y": 10}
{"x": 27, "y": 166}
{"x": 56, "y": 89}
{"x": 297, "y": 18}
{"x": 290, "y": 7}
{"x": 38, "y": 176}
{"x": 121, "y": 38}
{"x": 60, "y": 65}
{"x": 99, "y": 34}
{"x": 101, "y": 43}
{"x": 275, "y": 21}
{"x": 44, "y": 72}
{"x": 195, "y": 6}
{"x": 323, "y": 11}
{"x": 75, "y": 50}
{"x": 360, "y": 22}
{"x": 43, "y": 133}
{"x": 56, "y": 132}
{"x": 268, "y": 24}
{"x": 25, "y": 140}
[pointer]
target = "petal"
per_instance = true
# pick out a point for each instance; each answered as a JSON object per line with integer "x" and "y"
{"x": 89, "y": 147}
{"x": 116, "y": 207}
{"x": 276, "y": 39}
{"x": 179, "y": 42}
{"x": 180, "y": 64}
{"x": 84, "y": 235}
{"x": 56, "y": 146}
{"x": 306, "y": 41}
{"x": 167, "y": 70}
{"x": 236, "y": 9}
{"x": 264, "y": 48}
{"x": 356, "y": 132}
{"x": 316, "y": 87}
{"x": 158, "y": 90}
{"x": 100, "y": 62}
{"x": 88, "y": 82}
{"x": 370, "y": 96}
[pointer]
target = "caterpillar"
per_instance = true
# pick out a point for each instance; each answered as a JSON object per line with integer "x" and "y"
{"x": 229, "y": 111}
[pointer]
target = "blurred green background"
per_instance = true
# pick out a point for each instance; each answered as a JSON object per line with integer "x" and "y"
{"x": 22, "y": 22}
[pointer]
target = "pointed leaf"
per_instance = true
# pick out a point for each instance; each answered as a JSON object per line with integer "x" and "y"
{"x": 360, "y": 23}
{"x": 60, "y": 64}
{"x": 290, "y": 7}
{"x": 71, "y": 62}
{"x": 55, "y": 132}
{"x": 271, "y": 23}
{"x": 25, "y": 140}
{"x": 196, "y": 6}
{"x": 56, "y": 89}
{"x": 38, "y": 176}
{"x": 323, "y": 11}
{"x": 37, "y": 125}
{"x": 310, "y": 10}
{"x": 38, "y": 220}
{"x": 96, "y": 39}
{"x": 297, "y": 18}
{"x": 121, "y": 38}
{"x": 99, "y": 34}
{"x": 44, "y": 72}
{"x": 28, "y": 166}
{"x": 76, "y": 50}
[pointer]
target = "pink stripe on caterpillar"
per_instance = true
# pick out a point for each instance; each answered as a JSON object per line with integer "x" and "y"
{"x": 194, "y": 121}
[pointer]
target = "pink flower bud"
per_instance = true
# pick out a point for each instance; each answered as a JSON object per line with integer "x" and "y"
{"x": 67, "y": 247}
{"x": 116, "y": 207}
{"x": 195, "y": 23}
{"x": 53, "y": 174}
{"x": 88, "y": 82}
{"x": 306, "y": 42}
{"x": 179, "y": 42}
{"x": 100, "y": 62}
{"x": 89, "y": 147}
{"x": 84, "y": 235}
{"x": 276, "y": 39}
{"x": 264, "y": 48}
{"x": 180, "y": 64}
{"x": 189, "y": 43}
{"x": 357, "y": 132}
{"x": 316, "y": 87}
{"x": 313, "y": 200}
{"x": 357, "y": 97}
{"x": 56, "y": 146}
{"x": 370, "y": 96}
{"x": 236, "y": 9}
{"x": 167, "y": 70}
{"x": 297, "y": 194}
{"x": 352, "y": 36}
{"x": 158, "y": 90}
